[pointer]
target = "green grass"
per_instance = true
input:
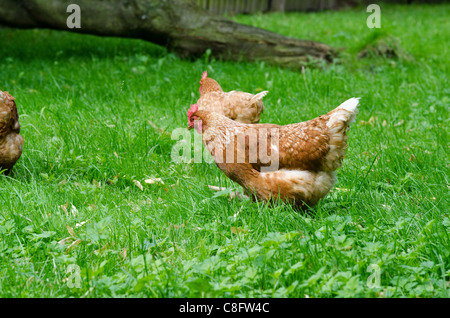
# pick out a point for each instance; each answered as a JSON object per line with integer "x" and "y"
{"x": 88, "y": 107}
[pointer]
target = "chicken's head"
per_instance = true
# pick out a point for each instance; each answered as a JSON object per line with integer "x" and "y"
{"x": 208, "y": 84}
{"x": 192, "y": 119}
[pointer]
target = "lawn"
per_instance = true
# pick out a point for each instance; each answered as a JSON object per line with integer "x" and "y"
{"x": 77, "y": 218}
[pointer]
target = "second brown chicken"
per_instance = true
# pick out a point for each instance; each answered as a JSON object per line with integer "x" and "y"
{"x": 239, "y": 106}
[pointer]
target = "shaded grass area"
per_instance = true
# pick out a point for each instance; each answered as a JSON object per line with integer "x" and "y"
{"x": 97, "y": 116}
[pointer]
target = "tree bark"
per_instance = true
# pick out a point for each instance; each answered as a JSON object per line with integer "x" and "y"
{"x": 179, "y": 25}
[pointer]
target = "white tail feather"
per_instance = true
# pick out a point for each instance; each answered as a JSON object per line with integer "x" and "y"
{"x": 347, "y": 116}
{"x": 339, "y": 122}
{"x": 350, "y": 104}
{"x": 259, "y": 96}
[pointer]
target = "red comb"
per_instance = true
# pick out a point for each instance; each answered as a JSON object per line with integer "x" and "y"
{"x": 193, "y": 109}
{"x": 204, "y": 75}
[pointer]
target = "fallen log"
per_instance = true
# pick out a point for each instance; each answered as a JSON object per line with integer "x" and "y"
{"x": 179, "y": 25}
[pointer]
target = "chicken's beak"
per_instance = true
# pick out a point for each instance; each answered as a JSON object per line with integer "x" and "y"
{"x": 190, "y": 116}
{"x": 195, "y": 122}
{"x": 191, "y": 123}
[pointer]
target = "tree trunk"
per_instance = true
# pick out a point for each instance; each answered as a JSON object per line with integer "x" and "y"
{"x": 179, "y": 25}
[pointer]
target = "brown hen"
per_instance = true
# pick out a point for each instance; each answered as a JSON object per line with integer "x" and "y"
{"x": 295, "y": 162}
{"x": 11, "y": 142}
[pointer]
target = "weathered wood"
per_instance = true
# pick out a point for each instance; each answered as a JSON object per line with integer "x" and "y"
{"x": 278, "y": 5}
{"x": 179, "y": 25}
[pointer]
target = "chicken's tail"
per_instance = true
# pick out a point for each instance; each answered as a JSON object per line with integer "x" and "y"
{"x": 258, "y": 97}
{"x": 344, "y": 114}
{"x": 338, "y": 123}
